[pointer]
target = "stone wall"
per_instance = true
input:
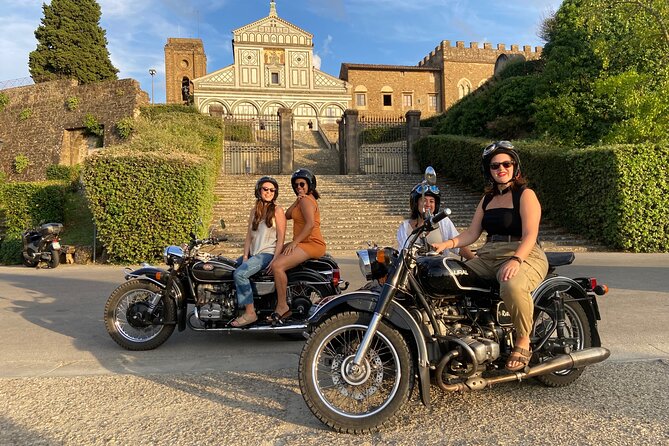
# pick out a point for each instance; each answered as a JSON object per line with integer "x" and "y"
{"x": 45, "y": 122}
{"x": 184, "y": 58}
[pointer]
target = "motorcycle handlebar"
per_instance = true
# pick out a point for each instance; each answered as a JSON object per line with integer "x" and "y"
{"x": 440, "y": 216}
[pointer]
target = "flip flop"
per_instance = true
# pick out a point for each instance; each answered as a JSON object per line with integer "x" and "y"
{"x": 243, "y": 321}
{"x": 276, "y": 318}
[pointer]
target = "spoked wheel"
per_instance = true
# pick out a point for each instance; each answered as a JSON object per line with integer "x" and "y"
{"x": 350, "y": 399}
{"x": 578, "y": 336}
{"x": 124, "y": 316}
{"x": 301, "y": 297}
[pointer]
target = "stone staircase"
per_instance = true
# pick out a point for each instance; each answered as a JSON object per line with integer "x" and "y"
{"x": 314, "y": 154}
{"x": 357, "y": 209}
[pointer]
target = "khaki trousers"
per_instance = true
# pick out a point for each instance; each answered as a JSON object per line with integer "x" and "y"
{"x": 515, "y": 292}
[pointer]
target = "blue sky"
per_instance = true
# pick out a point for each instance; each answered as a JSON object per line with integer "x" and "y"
{"x": 397, "y": 32}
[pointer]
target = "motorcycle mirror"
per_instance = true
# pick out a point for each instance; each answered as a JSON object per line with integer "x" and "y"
{"x": 430, "y": 176}
{"x": 222, "y": 224}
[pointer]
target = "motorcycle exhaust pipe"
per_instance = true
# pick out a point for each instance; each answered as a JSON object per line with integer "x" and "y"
{"x": 575, "y": 360}
{"x": 297, "y": 328}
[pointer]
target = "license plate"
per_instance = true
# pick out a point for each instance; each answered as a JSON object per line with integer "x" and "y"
{"x": 56, "y": 245}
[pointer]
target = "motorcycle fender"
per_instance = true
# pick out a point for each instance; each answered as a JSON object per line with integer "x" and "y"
{"x": 365, "y": 301}
{"x": 571, "y": 287}
{"x": 149, "y": 273}
{"x": 312, "y": 278}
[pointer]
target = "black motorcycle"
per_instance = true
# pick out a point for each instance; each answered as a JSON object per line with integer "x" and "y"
{"x": 427, "y": 316}
{"x": 142, "y": 313}
{"x": 42, "y": 244}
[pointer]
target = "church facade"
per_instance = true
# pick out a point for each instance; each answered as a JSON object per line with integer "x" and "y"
{"x": 273, "y": 68}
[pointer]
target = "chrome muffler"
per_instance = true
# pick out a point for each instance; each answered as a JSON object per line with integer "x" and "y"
{"x": 575, "y": 360}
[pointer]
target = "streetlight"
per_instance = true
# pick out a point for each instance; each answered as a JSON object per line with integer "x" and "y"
{"x": 152, "y": 72}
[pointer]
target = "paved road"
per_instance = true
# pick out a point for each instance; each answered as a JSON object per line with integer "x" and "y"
{"x": 64, "y": 381}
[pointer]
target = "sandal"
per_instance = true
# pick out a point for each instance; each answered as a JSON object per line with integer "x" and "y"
{"x": 276, "y": 318}
{"x": 243, "y": 321}
{"x": 518, "y": 354}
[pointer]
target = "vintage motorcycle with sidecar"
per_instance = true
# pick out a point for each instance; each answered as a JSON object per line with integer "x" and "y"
{"x": 427, "y": 318}
{"x": 197, "y": 290}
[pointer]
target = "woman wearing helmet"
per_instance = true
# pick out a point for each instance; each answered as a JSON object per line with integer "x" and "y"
{"x": 307, "y": 240}
{"x": 423, "y": 199}
{"x": 264, "y": 241}
{"x": 510, "y": 213}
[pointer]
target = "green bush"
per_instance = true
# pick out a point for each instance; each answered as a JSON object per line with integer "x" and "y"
{"x": 618, "y": 195}
{"x": 125, "y": 127}
{"x": 25, "y": 114}
{"x": 28, "y": 204}
{"x": 92, "y": 126}
{"x": 4, "y": 100}
{"x": 72, "y": 103}
{"x": 379, "y": 135}
{"x": 21, "y": 163}
{"x": 238, "y": 131}
{"x": 10, "y": 251}
{"x": 63, "y": 173}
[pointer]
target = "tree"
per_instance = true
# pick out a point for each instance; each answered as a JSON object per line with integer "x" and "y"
{"x": 71, "y": 44}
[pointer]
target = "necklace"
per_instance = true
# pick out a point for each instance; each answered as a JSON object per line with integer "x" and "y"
{"x": 505, "y": 190}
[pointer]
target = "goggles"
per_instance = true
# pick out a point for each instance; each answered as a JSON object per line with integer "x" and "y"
{"x": 497, "y": 145}
{"x": 424, "y": 188}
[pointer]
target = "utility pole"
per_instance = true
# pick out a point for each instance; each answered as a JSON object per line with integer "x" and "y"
{"x": 152, "y": 72}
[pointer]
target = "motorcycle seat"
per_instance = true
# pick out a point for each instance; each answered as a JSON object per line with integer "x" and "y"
{"x": 559, "y": 258}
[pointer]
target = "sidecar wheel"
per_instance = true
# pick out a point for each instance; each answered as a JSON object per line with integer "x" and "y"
{"x": 129, "y": 297}
{"x": 360, "y": 402}
{"x": 577, "y": 327}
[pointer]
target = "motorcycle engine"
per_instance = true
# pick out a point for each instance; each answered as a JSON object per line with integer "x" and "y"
{"x": 216, "y": 301}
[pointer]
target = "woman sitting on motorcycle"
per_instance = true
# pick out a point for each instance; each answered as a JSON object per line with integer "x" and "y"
{"x": 307, "y": 240}
{"x": 510, "y": 213}
{"x": 264, "y": 241}
{"x": 424, "y": 198}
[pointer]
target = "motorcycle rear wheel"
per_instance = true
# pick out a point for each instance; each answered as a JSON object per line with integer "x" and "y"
{"x": 577, "y": 327}
{"x": 28, "y": 259}
{"x": 54, "y": 259}
{"x": 122, "y": 302}
{"x": 346, "y": 402}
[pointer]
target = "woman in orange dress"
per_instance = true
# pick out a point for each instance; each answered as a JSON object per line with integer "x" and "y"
{"x": 307, "y": 240}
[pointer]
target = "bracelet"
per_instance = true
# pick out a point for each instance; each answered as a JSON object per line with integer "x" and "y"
{"x": 453, "y": 247}
{"x": 517, "y": 259}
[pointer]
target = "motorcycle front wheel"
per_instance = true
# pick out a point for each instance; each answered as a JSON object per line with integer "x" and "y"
{"x": 352, "y": 401}
{"x": 129, "y": 299}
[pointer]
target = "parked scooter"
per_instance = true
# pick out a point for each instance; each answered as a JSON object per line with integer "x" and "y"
{"x": 42, "y": 244}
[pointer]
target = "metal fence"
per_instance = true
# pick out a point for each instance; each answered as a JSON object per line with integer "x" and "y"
{"x": 12, "y": 83}
{"x": 252, "y": 144}
{"x": 383, "y": 145}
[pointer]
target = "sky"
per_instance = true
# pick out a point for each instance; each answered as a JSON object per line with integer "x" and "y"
{"x": 393, "y": 32}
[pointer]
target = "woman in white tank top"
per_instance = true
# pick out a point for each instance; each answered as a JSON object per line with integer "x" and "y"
{"x": 264, "y": 240}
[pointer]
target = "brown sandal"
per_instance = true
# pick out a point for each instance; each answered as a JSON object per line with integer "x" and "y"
{"x": 518, "y": 354}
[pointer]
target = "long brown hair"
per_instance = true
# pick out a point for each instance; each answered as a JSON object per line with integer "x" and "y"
{"x": 263, "y": 211}
{"x": 517, "y": 183}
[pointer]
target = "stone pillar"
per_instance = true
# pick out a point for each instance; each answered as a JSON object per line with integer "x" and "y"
{"x": 413, "y": 135}
{"x": 352, "y": 142}
{"x": 341, "y": 142}
{"x": 286, "y": 141}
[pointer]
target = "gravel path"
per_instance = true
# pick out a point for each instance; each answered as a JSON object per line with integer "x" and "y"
{"x": 613, "y": 403}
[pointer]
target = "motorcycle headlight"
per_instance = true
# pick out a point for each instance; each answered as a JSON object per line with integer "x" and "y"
{"x": 172, "y": 254}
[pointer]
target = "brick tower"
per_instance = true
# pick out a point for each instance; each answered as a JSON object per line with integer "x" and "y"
{"x": 184, "y": 61}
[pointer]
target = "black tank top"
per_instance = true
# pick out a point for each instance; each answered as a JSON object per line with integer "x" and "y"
{"x": 503, "y": 221}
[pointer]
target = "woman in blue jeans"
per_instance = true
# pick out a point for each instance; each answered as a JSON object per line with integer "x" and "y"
{"x": 264, "y": 240}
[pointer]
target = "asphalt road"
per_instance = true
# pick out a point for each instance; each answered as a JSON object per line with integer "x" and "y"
{"x": 64, "y": 381}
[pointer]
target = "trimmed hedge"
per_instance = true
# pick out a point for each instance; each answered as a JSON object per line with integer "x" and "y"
{"x": 153, "y": 191}
{"x": 618, "y": 195}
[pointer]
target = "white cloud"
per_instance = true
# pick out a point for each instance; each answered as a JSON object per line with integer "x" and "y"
{"x": 317, "y": 61}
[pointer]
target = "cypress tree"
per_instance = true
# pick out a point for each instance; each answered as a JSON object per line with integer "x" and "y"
{"x": 71, "y": 44}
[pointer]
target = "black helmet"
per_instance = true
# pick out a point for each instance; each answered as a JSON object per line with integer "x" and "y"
{"x": 494, "y": 149}
{"x": 305, "y": 174}
{"x": 418, "y": 191}
{"x": 267, "y": 179}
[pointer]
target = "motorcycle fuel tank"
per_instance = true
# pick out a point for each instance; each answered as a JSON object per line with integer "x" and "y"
{"x": 443, "y": 276}
{"x": 212, "y": 271}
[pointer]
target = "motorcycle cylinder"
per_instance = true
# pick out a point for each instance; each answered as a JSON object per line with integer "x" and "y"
{"x": 212, "y": 271}
{"x": 442, "y": 276}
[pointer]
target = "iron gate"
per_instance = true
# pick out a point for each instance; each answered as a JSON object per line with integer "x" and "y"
{"x": 252, "y": 144}
{"x": 383, "y": 145}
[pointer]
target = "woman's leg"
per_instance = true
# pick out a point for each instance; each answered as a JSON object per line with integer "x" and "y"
{"x": 282, "y": 264}
{"x": 242, "y": 283}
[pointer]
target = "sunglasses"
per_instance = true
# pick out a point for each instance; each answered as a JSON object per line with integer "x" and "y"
{"x": 505, "y": 164}
{"x": 299, "y": 184}
{"x": 422, "y": 188}
{"x": 268, "y": 189}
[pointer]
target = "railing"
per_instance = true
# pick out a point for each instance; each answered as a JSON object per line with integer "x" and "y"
{"x": 13, "y": 83}
{"x": 383, "y": 145}
{"x": 251, "y": 144}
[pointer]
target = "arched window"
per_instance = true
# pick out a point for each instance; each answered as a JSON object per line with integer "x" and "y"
{"x": 464, "y": 88}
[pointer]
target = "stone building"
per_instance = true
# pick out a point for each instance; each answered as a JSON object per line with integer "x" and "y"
{"x": 272, "y": 69}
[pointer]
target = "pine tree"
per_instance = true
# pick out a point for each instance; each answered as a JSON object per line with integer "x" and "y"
{"x": 71, "y": 44}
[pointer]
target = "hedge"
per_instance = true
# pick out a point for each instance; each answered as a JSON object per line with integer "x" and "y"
{"x": 144, "y": 201}
{"x": 618, "y": 195}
